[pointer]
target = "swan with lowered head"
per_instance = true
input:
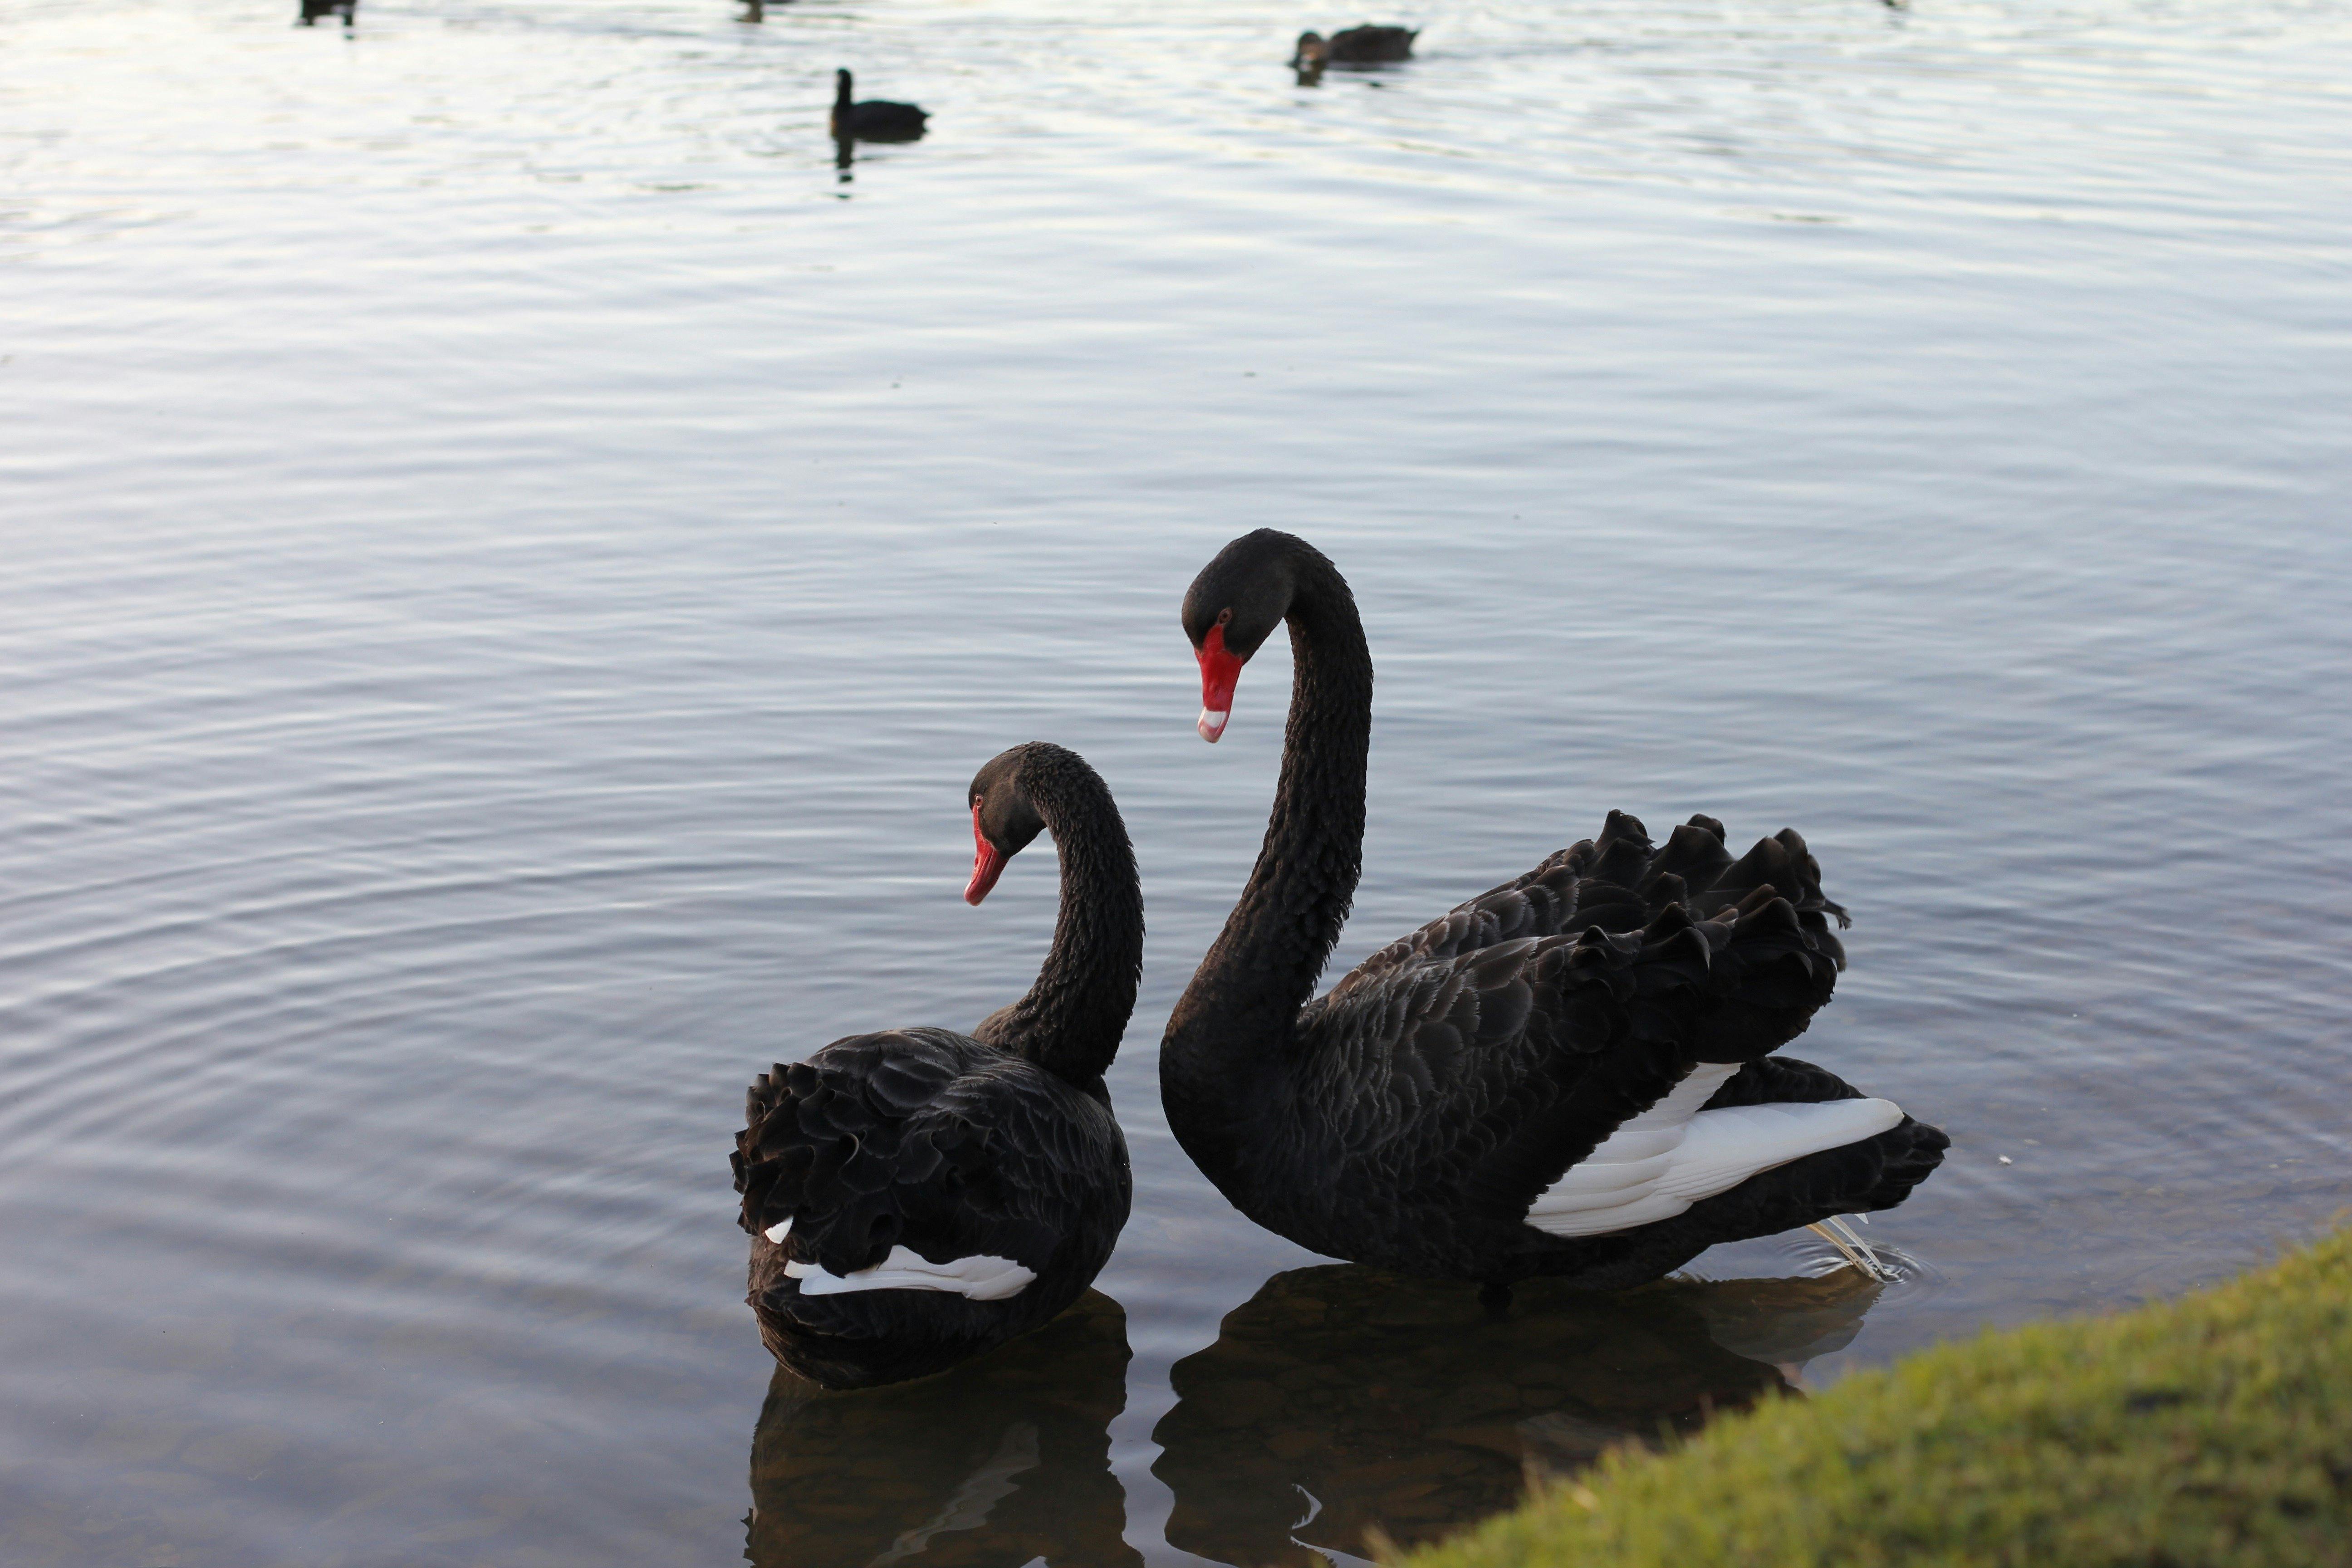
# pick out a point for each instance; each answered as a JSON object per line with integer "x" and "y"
{"x": 1571, "y": 1074}
{"x": 916, "y": 1196}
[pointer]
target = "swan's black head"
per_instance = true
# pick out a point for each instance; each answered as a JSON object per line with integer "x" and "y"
{"x": 1230, "y": 610}
{"x": 1003, "y": 818}
{"x": 841, "y": 86}
{"x": 1312, "y": 52}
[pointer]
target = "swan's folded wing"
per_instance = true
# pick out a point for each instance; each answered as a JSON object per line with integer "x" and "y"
{"x": 1486, "y": 1075}
{"x": 912, "y": 1141}
{"x": 1618, "y": 882}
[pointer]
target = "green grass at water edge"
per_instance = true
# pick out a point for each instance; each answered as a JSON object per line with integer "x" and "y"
{"x": 2212, "y": 1430}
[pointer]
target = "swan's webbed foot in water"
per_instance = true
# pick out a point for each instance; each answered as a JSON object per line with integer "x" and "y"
{"x": 1856, "y": 1251}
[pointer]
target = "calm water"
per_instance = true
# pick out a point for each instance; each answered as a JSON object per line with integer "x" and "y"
{"x": 511, "y": 559}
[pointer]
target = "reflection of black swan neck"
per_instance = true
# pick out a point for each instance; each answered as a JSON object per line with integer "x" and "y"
{"x": 1569, "y": 1075}
{"x": 1407, "y": 1407}
{"x": 1071, "y": 1020}
{"x": 1006, "y": 1458}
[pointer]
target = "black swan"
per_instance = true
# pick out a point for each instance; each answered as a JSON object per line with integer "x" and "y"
{"x": 875, "y": 119}
{"x": 1569, "y": 1075}
{"x": 918, "y": 1195}
{"x": 1365, "y": 46}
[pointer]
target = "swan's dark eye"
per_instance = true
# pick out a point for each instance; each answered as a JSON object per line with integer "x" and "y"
{"x": 1224, "y": 618}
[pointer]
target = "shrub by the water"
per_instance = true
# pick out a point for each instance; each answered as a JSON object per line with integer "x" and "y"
{"x": 2215, "y": 1430}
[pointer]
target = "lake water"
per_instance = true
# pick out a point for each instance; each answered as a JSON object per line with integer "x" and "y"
{"x": 511, "y": 557}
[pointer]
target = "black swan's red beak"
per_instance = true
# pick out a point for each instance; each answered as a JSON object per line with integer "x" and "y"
{"x": 1219, "y": 672}
{"x": 987, "y": 863}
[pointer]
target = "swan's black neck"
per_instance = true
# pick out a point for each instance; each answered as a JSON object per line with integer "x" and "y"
{"x": 1239, "y": 1014}
{"x": 1072, "y": 1018}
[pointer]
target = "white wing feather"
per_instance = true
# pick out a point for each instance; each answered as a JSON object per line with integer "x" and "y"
{"x": 1660, "y": 1162}
{"x": 983, "y": 1278}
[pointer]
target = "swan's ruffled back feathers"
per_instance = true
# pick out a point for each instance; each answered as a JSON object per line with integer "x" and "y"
{"x": 1617, "y": 881}
{"x": 915, "y": 1137}
{"x": 1482, "y": 1056}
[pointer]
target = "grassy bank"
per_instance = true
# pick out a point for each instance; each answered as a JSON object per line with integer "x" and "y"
{"x": 2213, "y": 1430}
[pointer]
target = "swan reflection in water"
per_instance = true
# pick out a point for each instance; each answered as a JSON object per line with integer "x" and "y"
{"x": 1341, "y": 1400}
{"x": 1005, "y": 1461}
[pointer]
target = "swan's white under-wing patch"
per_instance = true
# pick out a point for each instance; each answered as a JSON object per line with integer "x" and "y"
{"x": 776, "y": 1232}
{"x": 1660, "y": 1162}
{"x": 983, "y": 1278}
{"x": 1726, "y": 1147}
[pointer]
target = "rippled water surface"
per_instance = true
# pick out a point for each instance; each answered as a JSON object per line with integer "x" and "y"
{"x": 511, "y": 557}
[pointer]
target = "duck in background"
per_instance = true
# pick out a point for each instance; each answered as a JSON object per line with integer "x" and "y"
{"x": 1368, "y": 45}
{"x": 314, "y": 9}
{"x": 875, "y": 119}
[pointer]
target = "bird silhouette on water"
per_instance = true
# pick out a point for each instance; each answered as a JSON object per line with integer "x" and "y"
{"x": 875, "y": 119}
{"x": 314, "y": 9}
{"x": 1368, "y": 45}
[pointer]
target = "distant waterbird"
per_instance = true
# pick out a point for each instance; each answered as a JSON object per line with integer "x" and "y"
{"x": 875, "y": 119}
{"x": 314, "y": 9}
{"x": 1368, "y": 45}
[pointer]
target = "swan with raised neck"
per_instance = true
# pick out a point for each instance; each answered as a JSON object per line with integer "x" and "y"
{"x": 1569, "y": 1075}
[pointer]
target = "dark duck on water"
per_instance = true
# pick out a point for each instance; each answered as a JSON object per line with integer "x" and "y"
{"x": 1364, "y": 46}
{"x": 1569, "y": 1075}
{"x": 919, "y": 1196}
{"x": 875, "y": 119}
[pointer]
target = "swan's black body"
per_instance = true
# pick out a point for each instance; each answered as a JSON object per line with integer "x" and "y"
{"x": 875, "y": 119}
{"x": 999, "y": 1143}
{"x": 1368, "y": 45}
{"x": 1408, "y": 1118}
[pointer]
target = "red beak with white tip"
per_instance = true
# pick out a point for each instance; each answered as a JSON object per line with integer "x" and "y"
{"x": 987, "y": 862}
{"x": 1219, "y": 671}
